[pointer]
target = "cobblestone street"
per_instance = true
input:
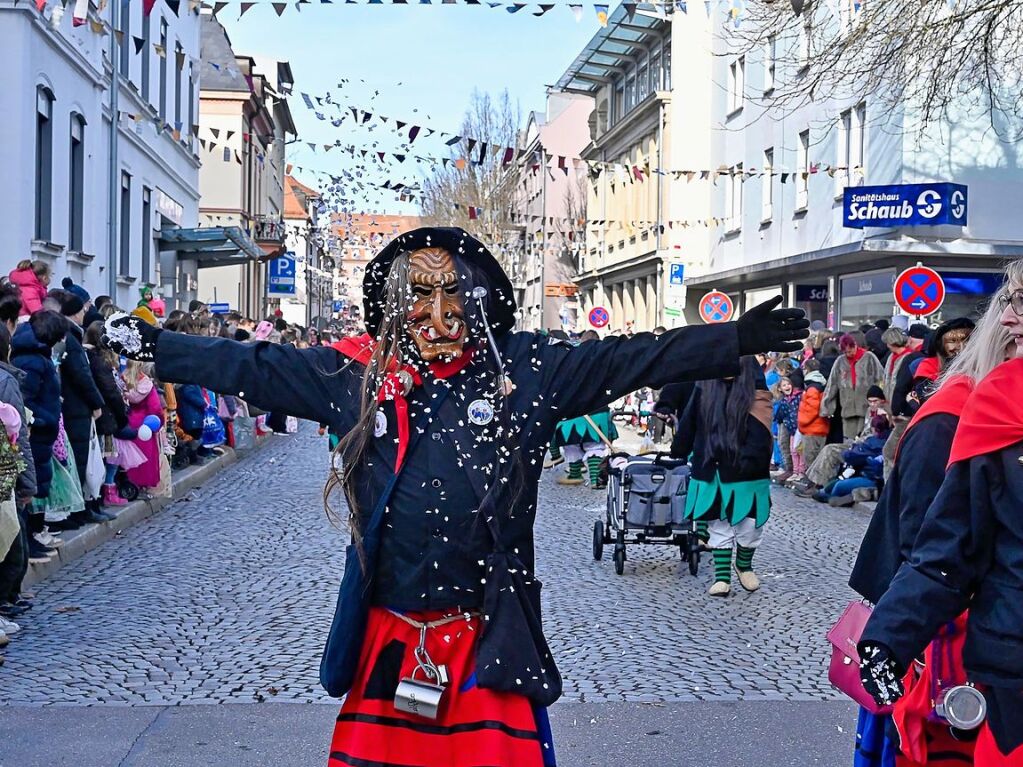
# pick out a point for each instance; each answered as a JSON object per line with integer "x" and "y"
{"x": 226, "y": 597}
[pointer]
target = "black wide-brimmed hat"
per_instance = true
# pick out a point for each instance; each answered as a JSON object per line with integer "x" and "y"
{"x": 459, "y": 243}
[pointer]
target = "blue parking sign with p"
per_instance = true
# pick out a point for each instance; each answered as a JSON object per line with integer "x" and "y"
{"x": 282, "y": 274}
{"x": 677, "y": 274}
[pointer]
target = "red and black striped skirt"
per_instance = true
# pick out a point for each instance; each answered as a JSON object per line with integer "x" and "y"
{"x": 474, "y": 728}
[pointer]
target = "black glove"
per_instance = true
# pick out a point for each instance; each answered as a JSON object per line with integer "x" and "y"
{"x": 131, "y": 336}
{"x": 880, "y": 674}
{"x": 766, "y": 329}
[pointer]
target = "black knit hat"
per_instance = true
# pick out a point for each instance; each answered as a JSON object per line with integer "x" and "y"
{"x": 876, "y": 392}
{"x": 70, "y": 303}
{"x": 460, "y": 244}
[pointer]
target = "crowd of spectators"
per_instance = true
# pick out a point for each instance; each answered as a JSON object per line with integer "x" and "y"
{"x": 89, "y": 431}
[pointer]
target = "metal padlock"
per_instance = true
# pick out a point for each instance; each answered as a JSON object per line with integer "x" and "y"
{"x": 417, "y": 697}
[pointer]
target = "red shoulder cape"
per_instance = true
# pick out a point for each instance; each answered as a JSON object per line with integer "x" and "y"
{"x": 993, "y": 417}
{"x": 950, "y": 399}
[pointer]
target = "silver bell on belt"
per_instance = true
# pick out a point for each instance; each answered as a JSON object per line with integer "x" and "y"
{"x": 962, "y": 706}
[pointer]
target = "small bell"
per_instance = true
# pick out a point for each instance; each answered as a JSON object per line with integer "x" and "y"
{"x": 405, "y": 379}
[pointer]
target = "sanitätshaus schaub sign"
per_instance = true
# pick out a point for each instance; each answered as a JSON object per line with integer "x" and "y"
{"x": 904, "y": 205}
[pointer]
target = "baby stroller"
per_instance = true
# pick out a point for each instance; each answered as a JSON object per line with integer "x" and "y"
{"x": 646, "y": 496}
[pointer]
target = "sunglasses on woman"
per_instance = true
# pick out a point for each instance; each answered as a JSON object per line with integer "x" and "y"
{"x": 1015, "y": 298}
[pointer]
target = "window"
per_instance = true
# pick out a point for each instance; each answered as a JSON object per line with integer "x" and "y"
{"x": 804, "y": 41}
{"x": 147, "y": 232}
{"x": 655, "y": 70}
{"x": 125, "y": 41}
{"x": 803, "y": 170}
{"x": 630, "y": 92}
{"x": 44, "y": 163}
{"x": 163, "y": 69}
{"x": 147, "y": 54}
{"x": 736, "y": 83}
{"x": 667, "y": 65}
{"x": 619, "y": 100}
{"x": 770, "y": 62}
{"x": 767, "y": 186}
{"x": 642, "y": 80}
{"x": 191, "y": 102}
{"x": 124, "y": 263}
{"x": 76, "y": 183}
{"x": 733, "y": 198}
{"x": 851, "y": 131}
{"x": 179, "y": 72}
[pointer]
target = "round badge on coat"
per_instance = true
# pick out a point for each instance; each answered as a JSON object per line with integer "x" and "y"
{"x": 380, "y": 426}
{"x": 481, "y": 412}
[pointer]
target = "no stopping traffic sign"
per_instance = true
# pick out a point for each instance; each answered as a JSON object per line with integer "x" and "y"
{"x": 919, "y": 291}
{"x": 716, "y": 307}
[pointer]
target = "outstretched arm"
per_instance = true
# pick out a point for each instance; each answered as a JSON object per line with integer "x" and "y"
{"x": 308, "y": 383}
{"x": 587, "y": 377}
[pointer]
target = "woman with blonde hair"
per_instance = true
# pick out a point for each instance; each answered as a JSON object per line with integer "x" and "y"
{"x": 919, "y": 470}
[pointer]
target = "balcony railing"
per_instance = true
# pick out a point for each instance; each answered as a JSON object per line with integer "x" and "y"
{"x": 265, "y": 229}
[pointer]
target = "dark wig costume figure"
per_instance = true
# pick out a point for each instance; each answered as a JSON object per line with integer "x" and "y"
{"x": 444, "y": 414}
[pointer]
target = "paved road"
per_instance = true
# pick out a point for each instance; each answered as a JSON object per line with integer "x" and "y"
{"x": 225, "y": 597}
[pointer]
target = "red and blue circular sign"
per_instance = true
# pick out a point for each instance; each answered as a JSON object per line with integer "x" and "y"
{"x": 599, "y": 317}
{"x": 716, "y": 307}
{"x": 919, "y": 291}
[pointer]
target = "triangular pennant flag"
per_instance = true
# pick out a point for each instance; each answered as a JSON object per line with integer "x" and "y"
{"x": 139, "y": 42}
{"x": 413, "y": 132}
{"x": 515, "y": 7}
{"x": 509, "y": 154}
{"x": 601, "y": 14}
{"x": 147, "y": 7}
{"x": 81, "y": 13}
{"x": 543, "y": 9}
{"x": 218, "y": 7}
{"x": 180, "y": 60}
{"x": 680, "y": 6}
{"x": 97, "y": 27}
{"x": 577, "y": 11}
{"x": 279, "y": 8}
{"x": 244, "y": 8}
{"x": 630, "y": 8}
{"x": 483, "y": 152}
{"x": 228, "y": 135}
{"x": 174, "y": 5}
{"x": 453, "y": 140}
{"x": 160, "y": 50}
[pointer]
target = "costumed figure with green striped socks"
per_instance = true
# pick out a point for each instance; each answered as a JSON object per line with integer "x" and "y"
{"x": 726, "y": 429}
{"x": 582, "y": 442}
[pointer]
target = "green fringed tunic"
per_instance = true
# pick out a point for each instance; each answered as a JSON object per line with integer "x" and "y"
{"x": 576, "y": 431}
{"x": 733, "y": 501}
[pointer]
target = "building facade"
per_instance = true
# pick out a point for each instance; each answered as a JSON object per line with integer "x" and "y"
{"x": 354, "y": 239}
{"x": 311, "y": 305}
{"x": 549, "y": 212}
{"x": 100, "y": 133}
{"x": 244, "y": 122}
{"x": 777, "y": 205}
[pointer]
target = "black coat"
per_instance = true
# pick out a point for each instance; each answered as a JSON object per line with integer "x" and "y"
{"x": 433, "y": 543}
{"x": 674, "y": 397}
{"x": 968, "y": 554}
{"x": 909, "y": 491}
{"x": 41, "y": 391}
{"x": 115, "y": 411}
{"x": 81, "y": 396}
{"x": 904, "y": 383}
{"x": 752, "y": 460}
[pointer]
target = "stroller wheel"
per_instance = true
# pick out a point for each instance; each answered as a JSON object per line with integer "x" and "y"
{"x": 598, "y": 540}
{"x": 693, "y": 542}
{"x": 129, "y": 490}
{"x": 619, "y": 558}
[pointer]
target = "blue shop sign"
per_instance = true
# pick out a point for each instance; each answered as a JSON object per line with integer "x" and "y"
{"x": 811, "y": 293}
{"x": 904, "y": 205}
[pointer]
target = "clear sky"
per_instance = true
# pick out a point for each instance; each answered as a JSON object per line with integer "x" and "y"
{"x": 416, "y": 63}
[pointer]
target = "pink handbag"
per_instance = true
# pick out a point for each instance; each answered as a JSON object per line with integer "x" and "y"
{"x": 844, "y": 670}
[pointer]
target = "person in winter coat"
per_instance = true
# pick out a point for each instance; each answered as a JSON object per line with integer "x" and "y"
{"x": 31, "y": 350}
{"x": 32, "y": 279}
{"x": 786, "y": 418}
{"x": 143, "y": 401}
{"x": 435, "y": 415}
{"x": 14, "y": 562}
{"x": 813, "y": 428}
{"x": 968, "y": 555}
{"x": 113, "y": 421}
{"x": 852, "y": 375}
{"x": 919, "y": 469}
{"x": 82, "y": 401}
{"x": 727, "y": 429}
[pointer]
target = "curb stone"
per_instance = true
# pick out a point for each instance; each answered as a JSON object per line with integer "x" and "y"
{"x": 79, "y": 542}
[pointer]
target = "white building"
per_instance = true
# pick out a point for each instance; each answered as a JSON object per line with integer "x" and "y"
{"x": 95, "y": 208}
{"x": 783, "y": 231}
{"x": 311, "y": 305}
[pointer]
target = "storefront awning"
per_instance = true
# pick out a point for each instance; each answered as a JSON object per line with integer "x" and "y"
{"x": 212, "y": 246}
{"x": 862, "y": 254}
